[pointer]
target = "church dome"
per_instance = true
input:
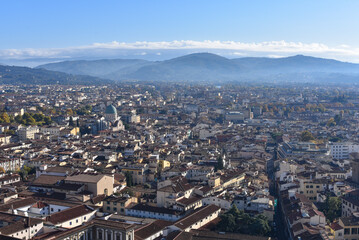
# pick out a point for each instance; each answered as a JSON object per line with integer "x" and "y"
{"x": 110, "y": 109}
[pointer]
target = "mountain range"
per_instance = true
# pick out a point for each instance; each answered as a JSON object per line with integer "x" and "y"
{"x": 197, "y": 67}
{"x": 25, "y": 75}
{"x": 207, "y": 67}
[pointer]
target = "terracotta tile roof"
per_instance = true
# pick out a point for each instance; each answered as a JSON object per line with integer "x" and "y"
{"x": 97, "y": 199}
{"x": 40, "y": 205}
{"x": 151, "y": 229}
{"x": 335, "y": 226}
{"x": 113, "y": 224}
{"x": 47, "y": 180}
{"x": 188, "y": 201}
{"x": 16, "y": 223}
{"x": 196, "y": 216}
{"x": 91, "y": 178}
{"x": 149, "y": 208}
{"x": 69, "y": 214}
{"x": 211, "y": 235}
{"x": 18, "y": 203}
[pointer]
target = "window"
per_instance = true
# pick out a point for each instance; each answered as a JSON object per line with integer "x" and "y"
{"x": 354, "y": 231}
{"x": 85, "y": 218}
{"x": 115, "y": 208}
{"x": 108, "y": 208}
{"x": 346, "y": 231}
{"x": 70, "y": 223}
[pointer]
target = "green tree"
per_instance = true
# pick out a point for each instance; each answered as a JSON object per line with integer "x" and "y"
{"x": 240, "y": 222}
{"x": 47, "y": 120}
{"x": 39, "y": 117}
{"x": 260, "y": 225}
{"x": 31, "y": 121}
{"x": 26, "y": 171}
{"x": 4, "y": 118}
{"x": 227, "y": 223}
{"x": 306, "y": 136}
{"x": 332, "y": 208}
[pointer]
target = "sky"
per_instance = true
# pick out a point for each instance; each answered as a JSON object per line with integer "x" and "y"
{"x": 43, "y": 31}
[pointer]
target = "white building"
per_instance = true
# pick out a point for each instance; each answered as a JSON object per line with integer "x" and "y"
{"x": 342, "y": 150}
{"x": 52, "y": 130}
{"x": 27, "y": 133}
{"x": 197, "y": 219}
{"x": 19, "y": 227}
{"x": 72, "y": 217}
{"x": 147, "y": 211}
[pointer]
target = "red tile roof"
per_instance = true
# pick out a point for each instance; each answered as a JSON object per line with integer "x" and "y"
{"x": 69, "y": 214}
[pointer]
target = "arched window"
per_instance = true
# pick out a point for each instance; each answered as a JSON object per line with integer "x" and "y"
{"x": 109, "y": 235}
{"x": 118, "y": 236}
{"x": 100, "y": 234}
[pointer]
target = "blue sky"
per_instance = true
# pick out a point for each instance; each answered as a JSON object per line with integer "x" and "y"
{"x": 58, "y": 28}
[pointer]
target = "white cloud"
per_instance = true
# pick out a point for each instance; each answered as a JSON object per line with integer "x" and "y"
{"x": 275, "y": 56}
{"x": 226, "y": 48}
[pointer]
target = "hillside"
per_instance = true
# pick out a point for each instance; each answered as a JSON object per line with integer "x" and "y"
{"x": 108, "y": 68}
{"x": 207, "y": 67}
{"x": 25, "y": 75}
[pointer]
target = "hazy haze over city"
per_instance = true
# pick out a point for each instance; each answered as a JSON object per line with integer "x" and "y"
{"x": 179, "y": 119}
